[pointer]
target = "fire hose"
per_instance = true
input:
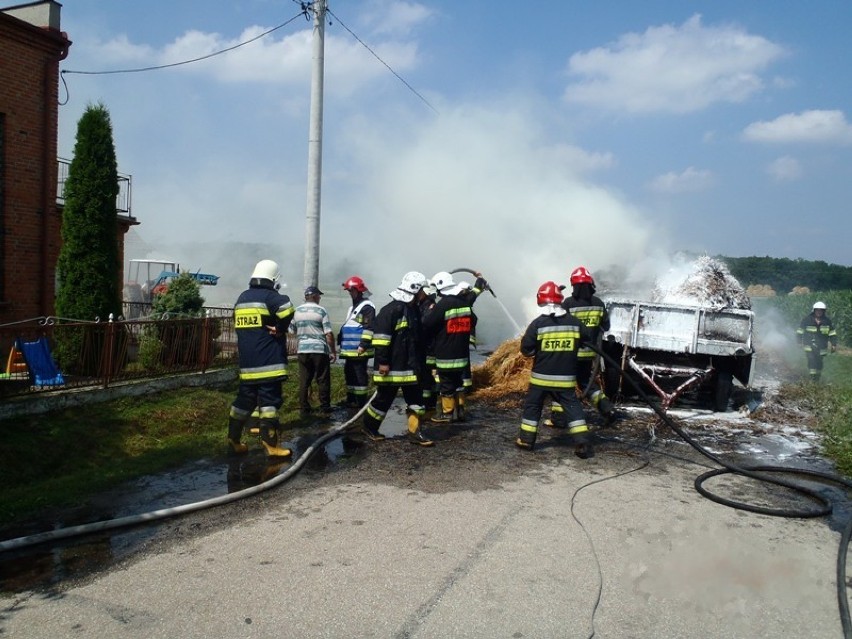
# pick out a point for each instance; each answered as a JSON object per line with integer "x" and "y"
{"x": 491, "y": 290}
{"x": 164, "y": 513}
{"x": 758, "y": 473}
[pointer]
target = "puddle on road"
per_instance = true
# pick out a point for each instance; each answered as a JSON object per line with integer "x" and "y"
{"x": 40, "y": 566}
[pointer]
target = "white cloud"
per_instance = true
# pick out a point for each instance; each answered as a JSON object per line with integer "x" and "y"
{"x": 689, "y": 180}
{"x": 270, "y": 60}
{"x": 388, "y": 17}
{"x": 785, "y": 169}
{"x": 672, "y": 69}
{"x": 808, "y": 126}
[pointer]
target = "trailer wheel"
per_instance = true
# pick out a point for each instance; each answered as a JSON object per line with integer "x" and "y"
{"x": 722, "y": 395}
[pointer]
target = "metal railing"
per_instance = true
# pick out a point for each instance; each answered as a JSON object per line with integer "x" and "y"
{"x": 122, "y": 201}
{"x": 101, "y": 354}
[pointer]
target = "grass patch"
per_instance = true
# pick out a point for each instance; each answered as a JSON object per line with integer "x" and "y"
{"x": 62, "y": 458}
{"x": 831, "y": 402}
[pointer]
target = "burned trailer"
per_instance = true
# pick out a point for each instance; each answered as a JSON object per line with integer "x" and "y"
{"x": 676, "y": 349}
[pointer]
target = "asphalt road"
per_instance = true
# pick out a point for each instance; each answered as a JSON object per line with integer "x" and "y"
{"x": 470, "y": 538}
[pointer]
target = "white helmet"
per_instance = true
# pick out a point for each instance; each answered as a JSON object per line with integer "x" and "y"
{"x": 267, "y": 270}
{"x": 411, "y": 284}
{"x": 819, "y": 305}
{"x": 443, "y": 280}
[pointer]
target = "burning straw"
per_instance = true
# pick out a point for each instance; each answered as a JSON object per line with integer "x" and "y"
{"x": 709, "y": 283}
{"x": 503, "y": 375}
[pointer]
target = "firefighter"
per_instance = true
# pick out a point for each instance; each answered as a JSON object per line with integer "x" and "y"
{"x": 470, "y": 294}
{"x": 429, "y": 381}
{"x": 554, "y": 339}
{"x": 816, "y": 335}
{"x": 261, "y": 318}
{"x": 355, "y": 340}
{"x": 399, "y": 359}
{"x": 449, "y": 326}
{"x": 591, "y": 311}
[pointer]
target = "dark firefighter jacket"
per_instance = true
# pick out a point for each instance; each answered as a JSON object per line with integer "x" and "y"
{"x": 357, "y": 330}
{"x": 592, "y": 313}
{"x": 470, "y": 297}
{"x": 449, "y": 326}
{"x": 554, "y": 342}
{"x": 427, "y": 305}
{"x": 262, "y": 356}
{"x": 398, "y": 341}
{"x": 815, "y": 337}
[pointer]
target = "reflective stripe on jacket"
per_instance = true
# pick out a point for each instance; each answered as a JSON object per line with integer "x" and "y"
{"x": 449, "y": 324}
{"x": 262, "y": 356}
{"x": 593, "y": 315}
{"x": 357, "y": 331}
{"x": 816, "y": 337}
{"x": 398, "y": 341}
{"x": 554, "y": 343}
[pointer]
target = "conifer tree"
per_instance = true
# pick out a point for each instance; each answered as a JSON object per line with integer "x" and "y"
{"x": 88, "y": 267}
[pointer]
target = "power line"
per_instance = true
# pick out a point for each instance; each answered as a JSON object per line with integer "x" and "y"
{"x": 375, "y": 55}
{"x": 303, "y": 12}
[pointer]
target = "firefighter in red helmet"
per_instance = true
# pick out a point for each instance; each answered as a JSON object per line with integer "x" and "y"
{"x": 355, "y": 341}
{"x": 554, "y": 339}
{"x": 591, "y": 311}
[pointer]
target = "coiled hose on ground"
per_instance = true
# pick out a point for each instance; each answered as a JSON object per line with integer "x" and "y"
{"x": 164, "y": 513}
{"x": 759, "y": 473}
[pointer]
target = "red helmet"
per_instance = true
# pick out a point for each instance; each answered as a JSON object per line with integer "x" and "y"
{"x": 355, "y": 282}
{"x": 549, "y": 293}
{"x": 581, "y": 275}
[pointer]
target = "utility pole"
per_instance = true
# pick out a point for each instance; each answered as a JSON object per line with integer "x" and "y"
{"x": 312, "y": 217}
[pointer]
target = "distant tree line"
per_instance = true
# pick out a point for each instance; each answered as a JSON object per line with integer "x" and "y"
{"x": 784, "y": 274}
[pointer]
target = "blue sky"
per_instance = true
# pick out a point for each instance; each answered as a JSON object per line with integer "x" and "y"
{"x": 559, "y": 132}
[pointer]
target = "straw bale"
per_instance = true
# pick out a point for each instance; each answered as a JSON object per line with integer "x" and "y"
{"x": 503, "y": 375}
{"x": 760, "y": 290}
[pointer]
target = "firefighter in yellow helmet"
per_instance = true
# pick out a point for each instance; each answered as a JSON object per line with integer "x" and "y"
{"x": 261, "y": 318}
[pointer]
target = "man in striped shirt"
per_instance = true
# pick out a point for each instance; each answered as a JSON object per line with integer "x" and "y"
{"x": 316, "y": 351}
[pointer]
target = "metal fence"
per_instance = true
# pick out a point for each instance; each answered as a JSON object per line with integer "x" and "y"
{"x": 100, "y": 354}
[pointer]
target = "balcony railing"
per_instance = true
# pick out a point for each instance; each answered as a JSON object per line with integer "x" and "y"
{"x": 122, "y": 202}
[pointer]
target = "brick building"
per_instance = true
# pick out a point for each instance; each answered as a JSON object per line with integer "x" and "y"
{"x": 31, "y": 48}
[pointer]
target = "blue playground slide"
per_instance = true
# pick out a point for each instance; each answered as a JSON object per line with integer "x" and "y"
{"x": 42, "y": 368}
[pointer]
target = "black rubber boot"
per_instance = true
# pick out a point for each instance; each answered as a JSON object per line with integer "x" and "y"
{"x": 415, "y": 431}
{"x": 607, "y": 410}
{"x": 370, "y": 427}
{"x": 526, "y": 439}
{"x": 235, "y": 433}
{"x": 460, "y": 415}
{"x": 447, "y": 412}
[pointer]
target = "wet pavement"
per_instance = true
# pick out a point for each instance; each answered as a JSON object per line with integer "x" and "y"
{"x": 479, "y": 454}
{"x": 469, "y": 538}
